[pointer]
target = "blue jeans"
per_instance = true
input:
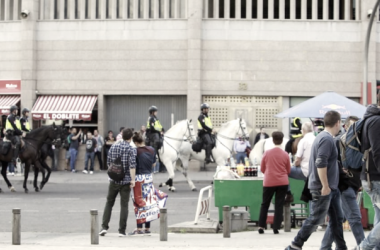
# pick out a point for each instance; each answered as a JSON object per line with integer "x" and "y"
{"x": 373, "y": 239}
{"x": 352, "y": 214}
{"x": 157, "y": 167}
{"x": 11, "y": 167}
{"x": 240, "y": 157}
{"x": 296, "y": 173}
{"x": 73, "y": 158}
{"x": 89, "y": 156}
{"x": 321, "y": 206}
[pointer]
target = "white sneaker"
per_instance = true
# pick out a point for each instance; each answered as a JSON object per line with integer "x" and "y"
{"x": 85, "y": 172}
{"x": 91, "y": 172}
{"x": 13, "y": 174}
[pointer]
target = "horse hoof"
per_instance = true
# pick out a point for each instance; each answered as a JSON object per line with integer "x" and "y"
{"x": 26, "y": 191}
{"x": 194, "y": 189}
{"x": 160, "y": 185}
{"x": 1, "y": 190}
{"x": 172, "y": 189}
{"x": 12, "y": 189}
{"x": 41, "y": 186}
{"x": 37, "y": 189}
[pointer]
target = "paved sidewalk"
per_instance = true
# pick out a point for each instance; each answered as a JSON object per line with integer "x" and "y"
{"x": 245, "y": 240}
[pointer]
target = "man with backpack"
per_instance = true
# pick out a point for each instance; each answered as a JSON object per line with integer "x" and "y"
{"x": 370, "y": 147}
{"x": 349, "y": 185}
{"x": 126, "y": 155}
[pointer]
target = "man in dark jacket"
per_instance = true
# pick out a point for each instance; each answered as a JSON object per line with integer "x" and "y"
{"x": 13, "y": 131}
{"x": 371, "y": 176}
{"x": 205, "y": 130}
{"x": 349, "y": 185}
{"x": 260, "y": 136}
{"x": 154, "y": 129}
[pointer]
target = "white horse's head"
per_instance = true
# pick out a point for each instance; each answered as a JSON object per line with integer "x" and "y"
{"x": 234, "y": 128}
{"x": 183, "y": 129}
{"x": 262, "y": 146}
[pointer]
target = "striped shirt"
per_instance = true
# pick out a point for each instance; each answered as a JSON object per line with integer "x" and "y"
{"x": 128, "y": 158}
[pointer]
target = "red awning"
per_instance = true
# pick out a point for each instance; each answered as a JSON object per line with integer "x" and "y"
{"x": 6, "y": 101}
{"x": 64, "y": 107}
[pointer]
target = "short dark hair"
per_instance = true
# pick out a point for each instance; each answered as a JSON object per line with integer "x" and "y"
{"x": 278, "y": 137}
{"x": 121, "y": 129}
{"x": 110, "y": 131}
{"x": 331, "y": 118}
{"x": 127, "y": 134}
{"x": 89, "y": 132}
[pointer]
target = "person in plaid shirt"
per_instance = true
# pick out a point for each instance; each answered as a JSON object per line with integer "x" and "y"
{"x": 128, "y": 158}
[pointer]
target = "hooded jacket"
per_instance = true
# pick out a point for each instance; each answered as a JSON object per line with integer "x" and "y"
{"x": 371, "y": 139}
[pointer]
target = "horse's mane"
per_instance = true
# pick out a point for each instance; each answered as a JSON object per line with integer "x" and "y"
{"x": 36, "y": 131}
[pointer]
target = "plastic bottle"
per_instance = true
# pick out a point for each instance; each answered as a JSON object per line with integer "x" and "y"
{"x": 240, "y": 170}
{"x": 246, "y": 160}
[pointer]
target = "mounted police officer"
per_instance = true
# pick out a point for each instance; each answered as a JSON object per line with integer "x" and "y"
{"x": 25, "y": 126}
{"x": 296, "y": 128}
{"x": 205, "y": 130}
{"x": 154, "y": 128}
{"x": 13, "y": 131}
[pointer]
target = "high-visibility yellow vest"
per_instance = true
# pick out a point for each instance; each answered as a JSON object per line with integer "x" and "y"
{"x": 8, "y": 125}
{"x": 27, "y": 125}
{"x": 207, "y": 122}
{"x": 157, "y": 125}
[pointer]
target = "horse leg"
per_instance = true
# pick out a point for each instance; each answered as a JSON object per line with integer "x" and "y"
{"x": 169, "y": 182}
{"x": 35, "y": 179}
{"x": 4, "y": 166}
{"x": 26, "y": 174}
{"x": 183, "y": 167}
{"x": 38, "y": 165}
{"x": 48, "y": 169}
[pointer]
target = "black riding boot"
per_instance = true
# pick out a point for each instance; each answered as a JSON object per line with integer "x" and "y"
{"x": 208, "y": 154}
{"x": 16, "y": 150}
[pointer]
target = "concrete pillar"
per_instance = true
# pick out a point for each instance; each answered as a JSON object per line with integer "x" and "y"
{"x": 194, "y": 60}
{"x": 270, "y": 9}
{"x": 237, "y": 9}
{"x": 336, "y": 10}
{"x": 216, "y": 9}
{"x": 7, "y": 8}
{"x": 124, "y": 9}
{"x": 347, "y": 8}
{"x": 315, "y": 10}
{"x": 42, "y": 9}
{"x": 61, "y": 9}
{"x": 166, "y": 9}
{"x": 260, "y": 6}
{"x": 103, "y": 8}
{"x": 227, "y": 9}
{"x": 82, "y": 9}
{"x": 52, "y": 10}
{"x": 156, "y": 8}
{"x": 282, "y": 10}
{"x": 303, "y": 10}
{"x": 325, "y": 9}
{"x": 285, "y": 122}
{"x": 16, "y": 10}
{"x": 249, "y": 9}
{"x": 71, "y": 9}
{"x": 146, "y": 9}
{"x": 135, "y": 9}
{"x": 112, "y": 9}
{"x": 357, "y": 10}
{"x": 92, "y": 9}
{"x": 29, "y": 54}
{"x": 293, "y": 9}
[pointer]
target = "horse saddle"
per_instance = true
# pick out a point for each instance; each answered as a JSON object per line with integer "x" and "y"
{"x": 198, "y": 146}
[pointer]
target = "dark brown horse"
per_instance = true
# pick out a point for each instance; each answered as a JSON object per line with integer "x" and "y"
{"x": 292, "y": 146}
{"x": 29, "y": 154}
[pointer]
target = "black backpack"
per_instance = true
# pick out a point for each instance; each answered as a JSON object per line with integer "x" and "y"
{"x": 116, "y": 170}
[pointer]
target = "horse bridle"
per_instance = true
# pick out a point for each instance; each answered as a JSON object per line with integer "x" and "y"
{"x": 187, "y": 138}
{"x": 234, "y": 139}
{"x": 53, "y": 142}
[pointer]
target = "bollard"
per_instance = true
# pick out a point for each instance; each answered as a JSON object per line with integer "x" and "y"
{"x": 163, "y": 224}
{"x": 94, "y": 227}
{"x": 16, "y": 230}
{"x": 287, "y": 220}
{"x": 226, "y": 222}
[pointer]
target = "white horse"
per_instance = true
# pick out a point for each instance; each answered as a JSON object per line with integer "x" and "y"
{"x": 169, "y": 152}
{"x": 224, "y": 144}
{"x": 262, "y": 146}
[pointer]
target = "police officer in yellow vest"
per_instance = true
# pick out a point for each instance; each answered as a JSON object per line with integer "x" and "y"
{"x": 25, "y": 126}
{"x": 205, "y": 130}
{"x": 154, "y": 128}
{"x": 296, "y": 128}
{"x": 13, "y": 131}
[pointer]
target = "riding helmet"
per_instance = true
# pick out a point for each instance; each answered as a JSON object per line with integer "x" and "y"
{"x": 205, "y": 106}
{"x": 24, "y": 110}
{"x": 13, "y": 108}
{"x": 153, "y": 109}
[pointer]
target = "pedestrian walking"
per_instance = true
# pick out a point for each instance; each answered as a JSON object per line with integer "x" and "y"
{"x": 349, "y": 185}
{"x": 323, "y": 186}
{"x": 370, "y": 175}
{"x": 240, "y": 147}
{"x": 145, "y": 197}
{"x": 91, "y": 145}
{"x": 67, "y": 147}
{"x": 275, "y": 164}
{"x": 99, "y": 148}
{"x": 74, "y": 140}
{"x": 128, "y": 160}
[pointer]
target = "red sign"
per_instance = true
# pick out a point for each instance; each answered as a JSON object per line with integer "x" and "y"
{"x": 4, "y": 111}
{"x": 58, "y": 116}
{"x": 10, "y": 86}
